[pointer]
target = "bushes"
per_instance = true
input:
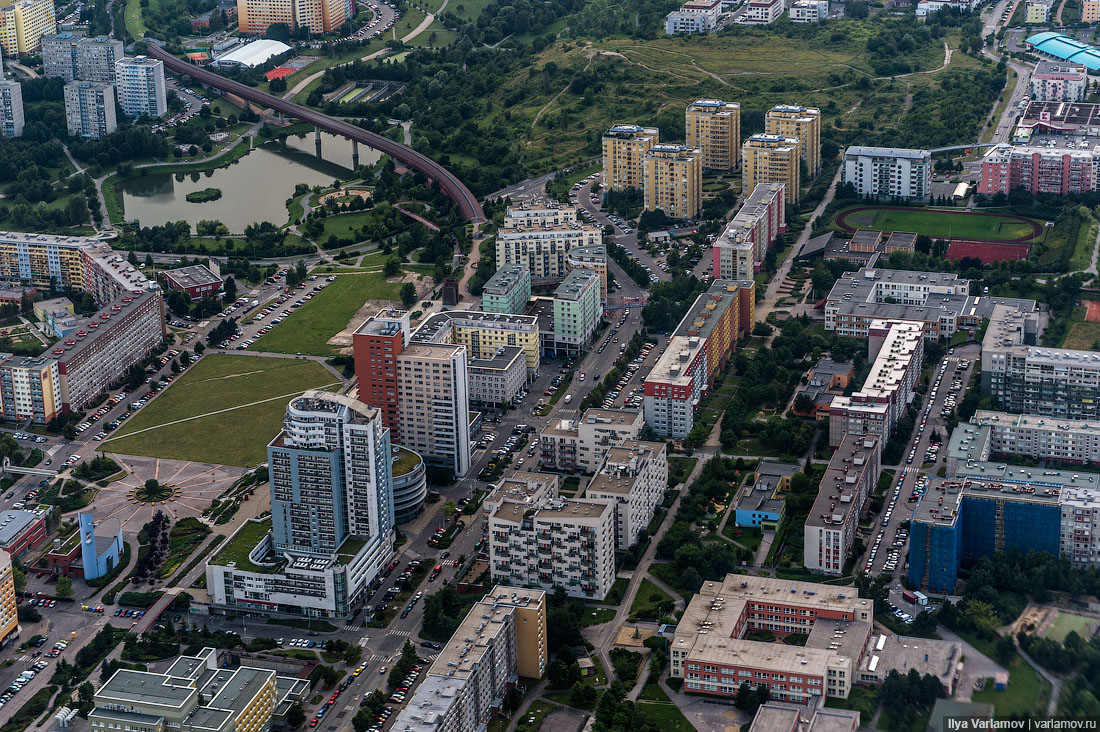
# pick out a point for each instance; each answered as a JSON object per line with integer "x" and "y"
{"x": 625, "y": 663}
{"x": 30, "y": 711}
{"x": 96, "y": 469}
{"x": 139, "y": 599}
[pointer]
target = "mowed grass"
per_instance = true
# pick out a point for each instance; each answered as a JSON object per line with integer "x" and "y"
{"x": 946, "y": 225}
{"x": 220, "y": 382}
{"x": 1065, "y": 622}
{"x": 309, "y": 328}
{"x": 1082, "y": 336}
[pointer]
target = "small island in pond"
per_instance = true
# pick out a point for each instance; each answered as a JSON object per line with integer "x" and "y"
{"x": 206, "y": 194}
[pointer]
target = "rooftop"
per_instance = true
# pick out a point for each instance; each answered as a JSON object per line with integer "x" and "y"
{"x": 193, "y": 276}
{"x": 504, "y": 357}
{"x": 707, "y": 310}
{"x": 575, "y": 283}
{"x": 506, "y": 279}
{"x": 436, "y": 327}
{"x": 91, "y": 330}
{"x": 241, "y": 544}
{"x": 404, "y": 461}
{"x": 13, "y": 523}
{"x": 254, "y": 54}
{"x": 839, "y": 492}
{"x": 887, "y": 152}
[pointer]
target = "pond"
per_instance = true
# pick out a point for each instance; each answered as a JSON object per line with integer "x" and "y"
{"x": 254, "y": 188}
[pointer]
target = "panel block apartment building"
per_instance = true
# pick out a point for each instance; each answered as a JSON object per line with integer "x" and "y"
{"x": 540, "y": 235}
{"x": 830, "y": 529}
{"x": 739, "y": 251}
{"x": 697, "y": 350}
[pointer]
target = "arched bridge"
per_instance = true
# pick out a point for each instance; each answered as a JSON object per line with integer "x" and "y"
{"x": 450, "y": 185}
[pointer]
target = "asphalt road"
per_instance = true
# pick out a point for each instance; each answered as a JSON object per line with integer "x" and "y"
{"x": 630, "y": 241}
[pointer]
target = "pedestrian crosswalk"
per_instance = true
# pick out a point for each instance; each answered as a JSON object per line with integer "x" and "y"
{"x": 405, "y": 633}
{"x": 363, "y": 641}
{"x": 430, "y": 656}
{"x": 23, "y": 658}
{"x": 378, "y": 657}
{"x": 350, "y": 626}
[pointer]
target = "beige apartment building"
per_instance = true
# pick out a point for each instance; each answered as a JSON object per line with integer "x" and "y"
{"x": 673, "y": 180}
{"x": 23, "y": 24}
{"x": 433, "y": 403}
{"x": 714, "y": 127}
{"x": 320, "y": 16}
{"x": 830, "y": 530}
{"x": 624, "y": 147}
{"x": 1090, "y": 11}
{"x": 9, "y": 620}
{"x": 792, "y": 120}
{"x": 634, "y": 476}
{"x": 772, "y": 159}
{"x": 571, "y": 444}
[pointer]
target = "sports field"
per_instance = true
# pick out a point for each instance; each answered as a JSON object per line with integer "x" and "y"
{"x": 224, "y": 409}
{"x": 942, "y": 224}
{"x": 1065, "y": 622}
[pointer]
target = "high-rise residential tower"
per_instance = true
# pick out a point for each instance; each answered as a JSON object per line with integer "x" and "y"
{"x": 140, "y": 86}
{"x": 714, "y": 127}
{"x": 793, "y": 120}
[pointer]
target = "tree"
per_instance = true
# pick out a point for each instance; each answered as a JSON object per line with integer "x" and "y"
{"x": 803, "y": 403}
{"x": 353, "y": 653}
{"x": 149, "y": 260}
{"x": 450, "y": 508}
{"x": 296, "y": 716}
{"x": 229, "y": 287}
{"x": 64, "y": 587}
{"x": 281, "y": 32}
{"x": 301, "y": 270}
{"x": 582, "y": 695}
{"x": 199, "y": 348}
{"x": 86, "y": 691}
{"x": 362, "y": 721}
{"x": 408, "y": 294}
{"x": 132, "y": 259}
{"x": 19, "y": 577}
{"x": 69, "y": 431}
{"x": 392, "y": 267}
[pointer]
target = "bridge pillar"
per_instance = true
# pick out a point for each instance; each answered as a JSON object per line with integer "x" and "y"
{"x": 317, "y": 139}
{"x": 355, "y": 154}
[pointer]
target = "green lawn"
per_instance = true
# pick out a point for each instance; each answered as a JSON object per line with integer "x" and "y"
{"x": 666, "y": 716}
{"x": 944, "y": 224}
{"x": 1081, "y": 336}
{"x": 134, "y": 24}
{"x": 220, "y": 382}
{"x": 646, "y": 602}
{"x": 1065, "y": 622}
{"x": 310, "y": 327}
{"x": 597, "y": 615}
{"x": 1027, "y": 692}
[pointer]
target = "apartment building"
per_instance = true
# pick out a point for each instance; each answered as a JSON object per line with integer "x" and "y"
{"x": 502, "y": 637}
{"x": 59, "y": 55}
{"x": 538, "y": 213}
{"x": 11, "y": 108}
{"x": 572, "y": 445}
{"x": 9, "y": 620}
{"x": 672, "y": 180}
{"x": 498, "y": 379}
{"x": 808, "y": 11}
{"x": 984, "y": 508}
{"x": 376, "y": 346}
{"x": 90, "y": 109}
{"x": 96, "y": 59}
{"x": 577, "y": 311}
{"x": 1090, "y": 11}
{"x": 802, "y": 123}
{"x": 714, "y": 127}
{"x": 897, "y": 348}
{"x": 1059, "y": 81}
{"x": 888, "y": 172}
{"x": 543, "y": 248}
{"x": 772, "y": 159}
{"x": 695, "y": 16}
{"x": 739, "y": 251}
{"x": 23, "y": 24}
{"x": 633, "y": 477}
{"x": 332, "y": 516}
{"x": 433, "y": 403}
{"x": 410, "y": 484}
{"x": 830, "y": 529}
{"x": 554, "y": 543}
{"x": 593, "y": 259}
{"x": 483, "y": 334}
{"x": 319, "y": 16}
{"x": 196, "y": 692}
{"x": 1037, "y": 170}
{"x": 1037, "y": 11}
{"x": 1029, "y": 435}
{"x": 624, "y": 149}
{"x": 697, "y": 350}
{"x": 30, "y": 388}
{"x": 139, "y": 83}
{"x": 1024, "y": 378}
{"x": 762, "y": 12}
{"x": 507, "y": 291}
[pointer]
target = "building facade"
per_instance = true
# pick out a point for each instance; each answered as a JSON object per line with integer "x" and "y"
{"x": 30, "y": 388}
{"x": 23, "y": 24}
{"x": 507, "y": 291}
{"x": 499, "y": 379}
{"x": 59, "y": 55}
{"x": 738, "y": 252}
{"x": 696, "y": 16}
{"x": 634, "y": 477}
{"x": 90, "y": 109}
{"x": 572, "y": 445}
{"x": 1090, "y": 11}
{"x": 9, "y": 618}
{"x": 197, "y": 280}
{"x": 11, "y": 108}
{"x": 809, "y": 11}
{"x": 802, "y": 123}
{"x": 714, "y": 127}
{"x": 319, "y": 16}
{"x": 577, "y": 311}
{"x": 672, "y": 180}
{"x": 888, "y": 172}
{"x": 1059, "y": 82}
{"x": 1040, "y": 438}
{"x": 830, "y": 530}
{"x": 762, "y": 12}
{"x": 543, "y": 248}
{"x": 772, "y": 159}
{"x": 594, "y": 259}
{"x": 140, "y": 86}
{"x": 1037, "y": 170}
{"x": 624, "y": 149}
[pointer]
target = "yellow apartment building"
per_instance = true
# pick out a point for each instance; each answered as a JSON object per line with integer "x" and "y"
{"x": 714, "y": 127}
{"x": 771, "y": 159}
{"x": 792, "y": 120}
{"x": 23, "y": 23}
{"x": 673, "y": 180}
{"x": 624, "y": 147}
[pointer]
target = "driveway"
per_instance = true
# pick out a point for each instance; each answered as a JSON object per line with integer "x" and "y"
{"x": 976, "y": 666}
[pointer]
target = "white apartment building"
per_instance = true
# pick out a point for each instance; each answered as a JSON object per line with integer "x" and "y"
{"x": 140, "y": 86}
{"x": 502, "y": 637}
{"x": 830, "y": 529}
{"x": 897, "y": 348}
{"x": 577, "y": 311}
{"x": 889, "y": 172}
{"x": 809, "y": 11}
{"x": 696, "y": 16}
{"x": 11, "y": 108}
{"x": 762, "y": 12}
{"x": 634, "y": 476}
{"x": 90, "y": 109}
{"x": 542, "y": 248}
{"x": 498, "y": 379}
{"x": 433, "y": 403}
{"x": 572, "y": 445}
{"x": 675, "y": 385}
{"x": 871, "y": 287}
{"x": 538, "y": 213}
{"x": 557, "y": 542}
{"x": 1046, "y": 438}
{"x": 1059, "y": 81}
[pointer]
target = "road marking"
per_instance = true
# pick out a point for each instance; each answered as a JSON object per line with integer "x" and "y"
{"x": 352, "y": 627}
{"x": 405, "y": 633}
{"x": 363, "y": 641}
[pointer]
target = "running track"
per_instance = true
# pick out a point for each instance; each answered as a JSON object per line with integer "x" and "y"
{"x": 1036, "y": 229}
{"x": 450, "y": 185}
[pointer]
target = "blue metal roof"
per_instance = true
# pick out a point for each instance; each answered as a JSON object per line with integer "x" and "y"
{"x": 1066, "y": 48}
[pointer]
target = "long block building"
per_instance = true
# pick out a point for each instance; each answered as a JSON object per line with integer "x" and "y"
{"x": 76, "y": 58}
{"x": 1062, "y": 171}
{"x": 697, "y": 350}
{"x": 1041, "y": 438}
{"x": 739, "y": 250}
{"x": 888, "y": 172}
{"x": 830, "y": 529}
{"x": 633, "y": 476}
{"x": 323, "y": 16}
{"x": 23, "y": 24}
{"x": 897, "y": 348}
{"x": 714, "y": 126}
{"x": 11, "y": 108}
{"x": 544, "y": 249}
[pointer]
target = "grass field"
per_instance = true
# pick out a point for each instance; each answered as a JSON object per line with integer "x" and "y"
{"x": 1082, "y": 336}
{"x": 646, "y": 602}
{"x": 1065, "y": 622}
{"x": 219, "y": 382}
{"x": 312, "y": 325}
{"x": 134, "y": 24}
{"x": 942, "y": 224}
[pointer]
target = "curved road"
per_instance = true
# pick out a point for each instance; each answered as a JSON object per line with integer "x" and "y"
{"x": 468, "y": 205}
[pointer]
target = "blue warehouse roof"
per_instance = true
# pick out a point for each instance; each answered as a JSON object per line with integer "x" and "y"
{"x": 1066, "y": 48}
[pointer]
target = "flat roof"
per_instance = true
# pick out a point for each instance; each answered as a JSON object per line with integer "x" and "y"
{"x": 887, "y": 152}
{"x": 506, "y": 279}
{"x": 142, "y": 687}
{"x": 13, "y": 523}
{"x": 504, "y": 357}
{"x": 93, "y": 328}
{"x": 703, "y": 315}
{"x": 255, "y": 53}
{"x": 575, "y": 283}
{"x": 436, "y": 326}
{"x": 193, "y": 276}
{"x": 622, "y": 466}
{"x": 997, "y": 420}
{"x": 839, "y": 491}
{"x": 553, "y": 508}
